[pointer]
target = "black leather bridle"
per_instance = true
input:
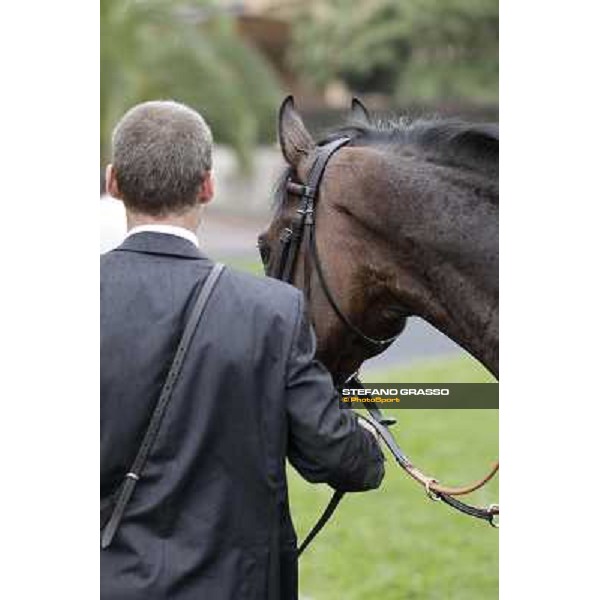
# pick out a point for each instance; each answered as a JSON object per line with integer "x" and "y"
{"x": 303, "y": 225}
{"x": 283, "y": 268}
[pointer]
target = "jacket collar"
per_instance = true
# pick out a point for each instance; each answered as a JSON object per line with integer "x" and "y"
{"x": 166, "y": 228}
{"x": 150, "y": 242}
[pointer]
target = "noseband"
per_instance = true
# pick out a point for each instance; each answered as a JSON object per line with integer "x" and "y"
{"x": 303, "y": 225}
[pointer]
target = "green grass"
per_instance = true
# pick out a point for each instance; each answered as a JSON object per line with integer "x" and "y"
{"x": 394, "y": 543}
{"x": 459, "y": 369}
{"x": 248, "y": 264}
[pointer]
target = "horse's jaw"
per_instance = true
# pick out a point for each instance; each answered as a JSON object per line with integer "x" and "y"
{"x": 344, "y": 355}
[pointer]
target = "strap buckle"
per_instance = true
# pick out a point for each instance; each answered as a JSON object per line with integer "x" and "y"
{"x": 431, "y": 494}
{"x": 286, "y": 235}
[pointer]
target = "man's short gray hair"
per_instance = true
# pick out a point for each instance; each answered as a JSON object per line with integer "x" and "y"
{"x": 161, "y": 153}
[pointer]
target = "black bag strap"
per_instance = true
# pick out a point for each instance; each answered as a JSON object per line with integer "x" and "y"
{"x": 130, "y": 480}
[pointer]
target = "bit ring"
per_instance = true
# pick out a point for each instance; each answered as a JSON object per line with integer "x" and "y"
{"x": 430, "y": 493}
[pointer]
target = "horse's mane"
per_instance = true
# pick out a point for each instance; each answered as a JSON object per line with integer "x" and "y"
{"x": 449, "y": 141}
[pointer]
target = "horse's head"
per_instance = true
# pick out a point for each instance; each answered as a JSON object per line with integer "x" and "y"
{"x": 344, "y": 273}
{"x": 405, "y": 222}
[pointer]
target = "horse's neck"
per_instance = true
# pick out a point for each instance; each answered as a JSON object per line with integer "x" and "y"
{"x": 457, "y": 303}
{"x": 446, "y": 247}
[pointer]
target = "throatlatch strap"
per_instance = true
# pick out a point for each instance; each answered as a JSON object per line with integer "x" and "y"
{"x": 131, "y": 479}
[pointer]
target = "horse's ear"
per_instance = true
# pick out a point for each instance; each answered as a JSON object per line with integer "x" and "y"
{"x": 295, "y": 140}
{"x": 359, "y": 112}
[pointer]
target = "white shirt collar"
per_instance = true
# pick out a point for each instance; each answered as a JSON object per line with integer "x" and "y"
{"x": 181, "y": 232}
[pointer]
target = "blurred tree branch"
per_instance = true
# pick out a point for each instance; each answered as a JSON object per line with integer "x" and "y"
{"x": 413, "y": 49}
{"x": 186, "y": 51}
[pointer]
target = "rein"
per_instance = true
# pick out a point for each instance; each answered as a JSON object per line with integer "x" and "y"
{"x": 290, "y": 242}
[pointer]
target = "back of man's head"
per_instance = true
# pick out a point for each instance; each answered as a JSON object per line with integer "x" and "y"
{"x": 161, "y": 154}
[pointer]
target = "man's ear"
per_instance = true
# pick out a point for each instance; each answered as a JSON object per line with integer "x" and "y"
{"x": 295, "y": 140}
{"x": 359, "y": 112}
{"x": 207, "y": 189}
{"x": 112, "y": 187}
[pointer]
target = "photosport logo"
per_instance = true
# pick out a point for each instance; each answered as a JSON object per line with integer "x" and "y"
{"x": 421, "y": 395}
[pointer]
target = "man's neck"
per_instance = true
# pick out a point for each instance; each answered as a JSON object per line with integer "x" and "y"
{"x": 189, "y": 220}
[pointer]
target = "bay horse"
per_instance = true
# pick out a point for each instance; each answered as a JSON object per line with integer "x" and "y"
{"x": 406, "y": 223}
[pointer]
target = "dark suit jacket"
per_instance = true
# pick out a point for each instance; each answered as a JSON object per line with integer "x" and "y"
{"x": 213, "y": 497}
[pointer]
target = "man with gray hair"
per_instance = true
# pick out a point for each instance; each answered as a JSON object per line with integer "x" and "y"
{"x": 204, "y": 512}
{"x": 162, "y": 164}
